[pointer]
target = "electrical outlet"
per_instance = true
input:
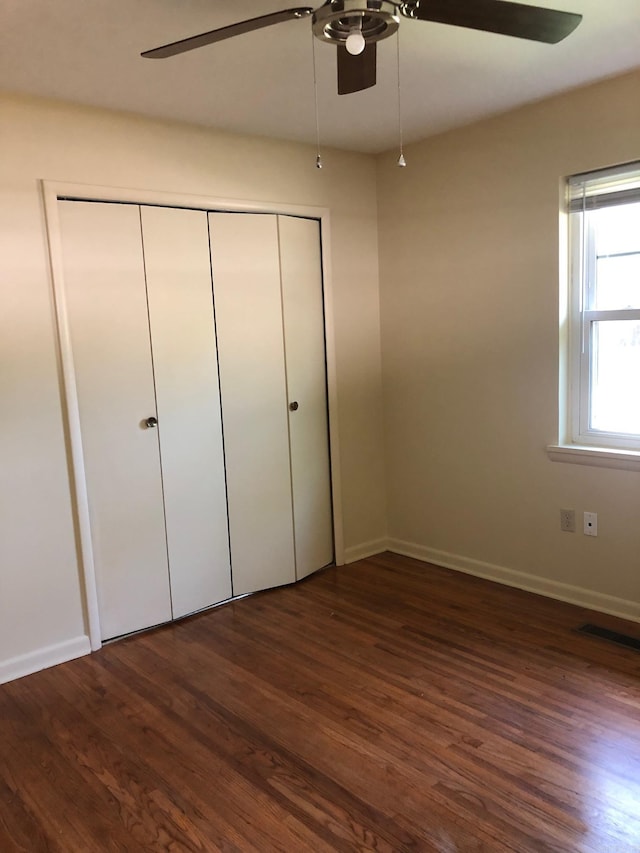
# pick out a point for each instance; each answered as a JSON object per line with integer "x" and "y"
{"x": 591, "y": 524}
{"x": 568, "y": 520}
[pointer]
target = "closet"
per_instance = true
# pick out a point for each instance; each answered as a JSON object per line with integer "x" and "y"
{"x": 198, "y": 353}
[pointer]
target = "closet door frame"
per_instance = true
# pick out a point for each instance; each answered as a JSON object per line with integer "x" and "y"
{"x": 54, "y": 191}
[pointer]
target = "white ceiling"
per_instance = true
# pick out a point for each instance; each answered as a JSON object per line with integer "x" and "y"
{"x": 88, "y": 51}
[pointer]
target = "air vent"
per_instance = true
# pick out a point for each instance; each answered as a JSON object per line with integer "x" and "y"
{"x": 612, "y": 636}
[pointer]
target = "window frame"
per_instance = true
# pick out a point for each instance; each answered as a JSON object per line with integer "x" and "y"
{"x": 585, "y": 194}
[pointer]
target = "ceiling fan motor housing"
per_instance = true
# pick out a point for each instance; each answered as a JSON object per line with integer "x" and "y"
{"x": 377, "y": 19}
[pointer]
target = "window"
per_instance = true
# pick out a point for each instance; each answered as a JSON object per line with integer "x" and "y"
{"x": 604, "y": 308}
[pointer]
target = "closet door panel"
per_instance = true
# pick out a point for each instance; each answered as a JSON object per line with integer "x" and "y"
{"x": 176, "y": 250}
{"x": 246, "y": 278}
{"x": 303, "y": 312}
{"x": 106, "y": 305}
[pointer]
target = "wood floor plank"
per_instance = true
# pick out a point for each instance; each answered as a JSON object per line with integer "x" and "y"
{"x": 403, "y": 741}
{"x": 19, "y": 830}
{"x": 178, "y": 756}
{"x": 268, "y": 764}
{"x": 331, "y": 749}
{"x": 388, "y": 705}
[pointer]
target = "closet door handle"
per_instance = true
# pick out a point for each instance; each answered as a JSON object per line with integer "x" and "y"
{"x": 293, "y": 407}
{"x": 151, "y": 423}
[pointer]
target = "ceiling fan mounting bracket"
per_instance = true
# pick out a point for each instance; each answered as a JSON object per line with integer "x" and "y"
{"x": 378, "y": 19}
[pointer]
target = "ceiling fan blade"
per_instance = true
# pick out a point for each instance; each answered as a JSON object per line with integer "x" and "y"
{"x": 496, "y": 16}
{"x": 356, "y": 73}
{"x": 238, "y": 29}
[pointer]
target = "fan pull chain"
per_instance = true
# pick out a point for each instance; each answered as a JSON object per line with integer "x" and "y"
{"x": 401, "y": 160}
{"x": 315, "y": 96}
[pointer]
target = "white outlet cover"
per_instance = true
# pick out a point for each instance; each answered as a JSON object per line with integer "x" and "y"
{"x": 591, "y": 524}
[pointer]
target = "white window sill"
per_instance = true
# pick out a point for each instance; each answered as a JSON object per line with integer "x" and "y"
{"x": 601, "y": 457}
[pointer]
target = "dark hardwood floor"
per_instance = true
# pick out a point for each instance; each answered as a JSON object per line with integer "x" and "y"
{"x": 387, "y": 705}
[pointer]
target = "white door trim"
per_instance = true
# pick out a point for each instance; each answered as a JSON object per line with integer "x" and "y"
{"x": 54, "y": 190}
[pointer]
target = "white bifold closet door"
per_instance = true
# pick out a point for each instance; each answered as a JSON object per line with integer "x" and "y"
{"x": 185, "y": 364}
{"x": 303, "y": 318}
{"x": 246, "y": 280}
{"x": 270, "y": 324}
{"x": 143, "y": 343}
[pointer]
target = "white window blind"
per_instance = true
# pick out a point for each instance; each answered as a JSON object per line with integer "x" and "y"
{"x": 604, "y": 188}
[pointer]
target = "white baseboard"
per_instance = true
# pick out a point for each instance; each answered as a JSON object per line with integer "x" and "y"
{"x": 42, "y": 658}
{"x": 364, "y": 550}
{"x": 531, "y": 583}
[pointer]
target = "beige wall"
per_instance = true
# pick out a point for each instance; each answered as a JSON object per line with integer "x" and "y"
{"x": 40, "y": 594}
{"x": 469, "y": 244}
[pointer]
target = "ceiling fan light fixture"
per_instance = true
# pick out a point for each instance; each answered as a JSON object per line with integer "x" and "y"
{"x": 336, "y": 21}
{"x": 355, "y": 42}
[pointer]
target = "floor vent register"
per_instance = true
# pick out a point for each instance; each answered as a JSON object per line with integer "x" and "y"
{"x": 612, "y": 636}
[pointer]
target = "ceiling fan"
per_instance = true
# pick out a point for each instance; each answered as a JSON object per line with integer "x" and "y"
{"x": 356, "y": 26}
